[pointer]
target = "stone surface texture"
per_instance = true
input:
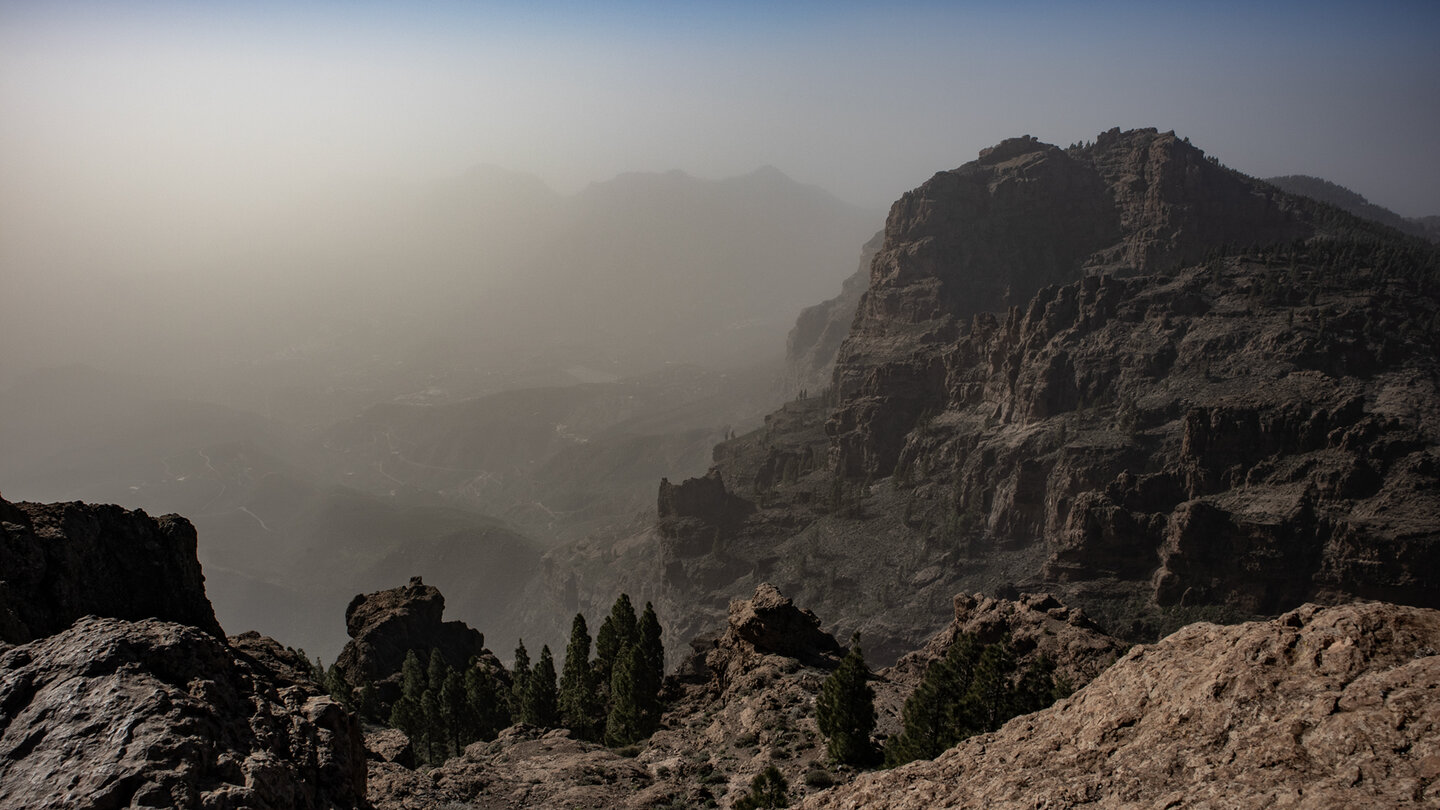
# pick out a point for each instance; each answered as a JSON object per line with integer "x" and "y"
{"x": 1320, "y": 708}
{"x": 112, "y": 713}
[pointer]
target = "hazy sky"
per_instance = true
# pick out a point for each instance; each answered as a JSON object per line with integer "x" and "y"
{"x": 158, "y": 119}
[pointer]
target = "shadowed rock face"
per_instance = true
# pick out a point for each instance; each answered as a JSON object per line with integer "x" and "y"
{"x": 1329, "y": 707}
{"x": 61, "y": 561}
{"x": 386, "y": 625}
{"x": 111, "y": 713}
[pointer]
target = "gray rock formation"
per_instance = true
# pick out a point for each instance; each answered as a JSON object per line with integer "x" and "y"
{"x": 61, "y": 561}
{"x": 111, "y": 713}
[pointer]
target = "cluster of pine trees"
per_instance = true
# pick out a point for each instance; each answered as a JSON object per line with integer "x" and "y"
{"x": 442, "y": 711}
{"x": 612, "y": 698}
{"x": 975, "y": 688}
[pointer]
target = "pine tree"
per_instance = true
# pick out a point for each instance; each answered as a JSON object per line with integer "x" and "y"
{"x": 540, "y": 705}
{"x": 435, "y": 670}
{"x": 845, "y": 709}
{"x": 432, "y": 734}
{"x": 767, "y": 790}
{"x": 519, "y": 676}
{"x": 487, "y": 702}
{"x": 407, "y": 714}
{"x": 936, "y": 715}
{"x": 412, "y": 676}
{"x": 618, "y": 631}
{"x": 607, "y": 647}
{"x": 454, "y": 709}
{"x": 625, "y": 723}
{"x": 580, "y": 706}
{"x": 648, "y": 633}
{"x": 973, "y": 689}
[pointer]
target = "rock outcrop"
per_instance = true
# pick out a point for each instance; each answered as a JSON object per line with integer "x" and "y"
{"x": 386, "y": 625}
{"x": 112, "y": 713}
{"x": 61, "y": 561}
{"x": 1331, "y": 707}
{"x": 1036, "y": 625}
{"x": 121, "y": 690}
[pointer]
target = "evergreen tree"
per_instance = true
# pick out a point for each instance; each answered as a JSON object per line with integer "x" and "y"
{"x": 407, "y": 714}
{"x": 991, "y": 696}
{"x": 973, "y": 689}
{"x": 412, "y": 676}
{"x": 487, "y": 702}
{"x": 435, "y": 670}
{"x": 607, "y": 647}
{"x": 936, "y": 714}
{"x": 767, "y": 790}
{"x": 454, "y": 710}
{"x": 845, "y": 709}
{"x": 626, "y": 721}
{"x": 432, "y": 734}
{"x": 618, "y": 631}
{"x": 579, "y": 700}
{"x": 648, "y": 634}
{"x": 367, "y": 702}
{"x": 519, "y": 677}
{"x": 540, "y": 705}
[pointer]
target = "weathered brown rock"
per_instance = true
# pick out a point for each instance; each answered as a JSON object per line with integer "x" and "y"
{"x": 523, "y": 768}
{"x": 112, "y": 713}
{"x": 61, "y": 561}
{"x": 1035, "y": 624}
{"x": 1321, "y": 708}
{"x": 386, "y": 625}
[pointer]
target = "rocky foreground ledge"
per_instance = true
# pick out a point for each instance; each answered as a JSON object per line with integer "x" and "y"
{"x": 118, "y": 688}
{"x": 1322, "y": 708}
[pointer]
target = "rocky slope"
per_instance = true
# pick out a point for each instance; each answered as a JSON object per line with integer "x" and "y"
{"x": 1326, "y": 707}
{"x": 1343, "y": 198}
{"x": 742, "y": 700}
{"x": 1120, "y": 372}
{"x": 120, "y": 689}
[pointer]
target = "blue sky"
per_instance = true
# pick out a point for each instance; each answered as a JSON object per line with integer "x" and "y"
{"x": 207, "y": 103}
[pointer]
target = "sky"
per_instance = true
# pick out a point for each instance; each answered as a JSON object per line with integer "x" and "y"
{"x": 163, "y": 123}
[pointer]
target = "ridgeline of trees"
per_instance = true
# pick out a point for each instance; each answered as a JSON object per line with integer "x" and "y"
{"x": 613, "y": 698}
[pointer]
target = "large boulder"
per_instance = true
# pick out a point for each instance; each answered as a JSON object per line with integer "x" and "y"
{"x": 61, "y": 561}
{"x": 111, "y": 713}
{"x": 387, "y": 625}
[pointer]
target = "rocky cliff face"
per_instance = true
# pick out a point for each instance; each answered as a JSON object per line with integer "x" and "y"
{"x": 1119, "y": 372}
{"x": 813, "y": 342}
{"x": 59, "y": 562}
{"x": 1319, "y": 708}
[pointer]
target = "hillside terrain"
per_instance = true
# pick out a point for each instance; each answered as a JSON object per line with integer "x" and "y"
{"x": 1120, "y": 372}
{"x": 1347, "y": 200}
